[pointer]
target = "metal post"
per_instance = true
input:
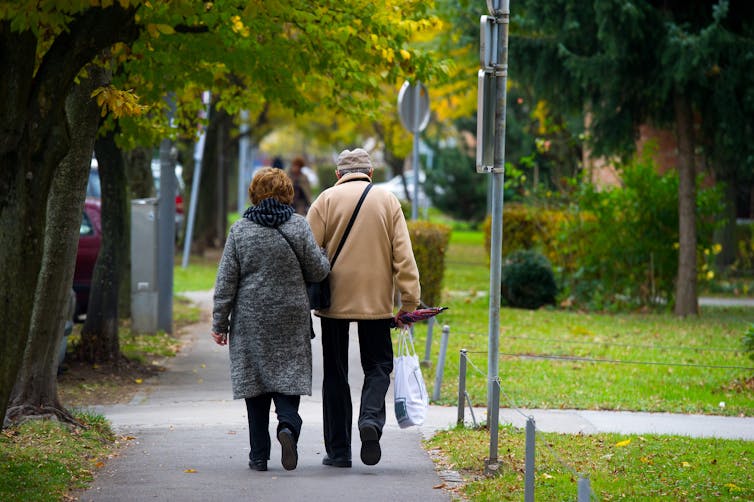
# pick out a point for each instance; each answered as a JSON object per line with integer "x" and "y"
{"x": 441, "y": 362}
{"x": 585, "y": 491}
{"x": 428, "y": 346}
{"x": 415, "y": 155}
{"x": 492, "y": 421}
{"x": 196, "y": 178}
{"x": 529, "y": 465}
{"x": 502, "y": 16}
{"x": 166, "y": 231}
{"x": 461, "y": 387}
{"x": 243, "y": 155}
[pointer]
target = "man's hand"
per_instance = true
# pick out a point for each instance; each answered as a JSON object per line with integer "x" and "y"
{"x": 398, "y": 322}
{"x": 220, "y": 338}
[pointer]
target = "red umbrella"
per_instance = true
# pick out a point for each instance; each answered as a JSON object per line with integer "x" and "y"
{"x": 417, "y": 315}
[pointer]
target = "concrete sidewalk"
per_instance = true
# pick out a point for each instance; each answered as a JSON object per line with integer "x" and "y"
{"x": 191, "y": 439}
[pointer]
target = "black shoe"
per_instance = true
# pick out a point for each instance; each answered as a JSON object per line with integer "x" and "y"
{"x": 289, "y": 458}
{"x": 336, "y": 461}
{"x": 370, "y": 445}
{"x": 258, "y": 465}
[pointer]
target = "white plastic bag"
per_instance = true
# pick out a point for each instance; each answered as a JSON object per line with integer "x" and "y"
{"x": 411, "y": 399}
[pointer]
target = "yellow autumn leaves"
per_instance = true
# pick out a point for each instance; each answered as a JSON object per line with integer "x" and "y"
{"x": 238, "y": 27}
{"x": 120, "y": 103}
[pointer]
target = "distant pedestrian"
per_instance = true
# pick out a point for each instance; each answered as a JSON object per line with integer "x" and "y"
{"x": 375, "y": 258}
{"x": 302, "y": 190}
{"x": 262, "y": 310}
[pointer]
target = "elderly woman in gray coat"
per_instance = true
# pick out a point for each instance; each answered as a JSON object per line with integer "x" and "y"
{"x": 261, "y": 310}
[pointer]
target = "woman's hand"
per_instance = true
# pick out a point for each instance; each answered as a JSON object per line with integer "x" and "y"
{"x": 220, "y": 338}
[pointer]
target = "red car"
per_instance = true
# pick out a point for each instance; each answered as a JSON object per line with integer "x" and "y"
{"x": 90, "y": 240}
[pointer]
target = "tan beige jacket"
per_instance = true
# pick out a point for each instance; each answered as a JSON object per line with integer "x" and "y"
{"x": 377, "y": 256}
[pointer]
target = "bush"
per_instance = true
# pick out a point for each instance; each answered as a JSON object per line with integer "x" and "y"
{"x": 430, "y": 244}
{"x": 526, "y": 227}
{"x": 528, "y": 281}
{"x": 744, "y": 248}
{"x": 623, "y": 240}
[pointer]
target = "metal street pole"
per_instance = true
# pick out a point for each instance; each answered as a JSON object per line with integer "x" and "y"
{"x": 166, "y": 230}
{"x": 243, "y": 156}
{"x": 501, "y": 14}
{"x": 195, "y": 183}
{"x": 415, "y": 157}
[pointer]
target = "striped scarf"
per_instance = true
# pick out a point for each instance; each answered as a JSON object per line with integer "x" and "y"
{"x": 269, "y": 213}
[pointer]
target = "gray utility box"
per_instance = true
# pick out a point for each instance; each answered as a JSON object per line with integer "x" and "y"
{"x": 144, "y": 289}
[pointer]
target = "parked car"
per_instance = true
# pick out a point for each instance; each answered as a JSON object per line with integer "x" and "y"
{"x": 90, "y": 241}
{"x": 395, "y": 186}
{"x": 94, "y": 189}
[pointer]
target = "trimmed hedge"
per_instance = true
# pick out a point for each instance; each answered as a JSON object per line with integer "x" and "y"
{"x": 526, "y": 227}
{"x": 430, "y": 244}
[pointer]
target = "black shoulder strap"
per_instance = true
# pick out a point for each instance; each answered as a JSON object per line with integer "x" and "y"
{"x": 350, "y": 224}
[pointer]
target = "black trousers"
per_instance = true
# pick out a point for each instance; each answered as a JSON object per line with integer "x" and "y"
{"x": 258, "y": 411}
{"x": 377, "y": 362}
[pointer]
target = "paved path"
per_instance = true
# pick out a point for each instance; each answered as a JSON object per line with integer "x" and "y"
{"x": 186, "y": 420}
{"x": 191, "y": 438}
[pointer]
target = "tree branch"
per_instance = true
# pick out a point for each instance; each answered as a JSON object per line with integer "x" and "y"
{"x": 90, "y": 32}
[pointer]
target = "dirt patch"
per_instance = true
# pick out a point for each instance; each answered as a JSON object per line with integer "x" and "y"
{"x": 83, "y": 384}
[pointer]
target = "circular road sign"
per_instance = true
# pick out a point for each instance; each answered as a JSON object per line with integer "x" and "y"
{"x": 413, "y": 106}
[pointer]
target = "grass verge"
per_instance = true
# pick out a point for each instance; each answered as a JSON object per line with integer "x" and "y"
{"x": 628, "y": 361}
{"x": 619, "y": 467}
{"x": 43, "y": 460}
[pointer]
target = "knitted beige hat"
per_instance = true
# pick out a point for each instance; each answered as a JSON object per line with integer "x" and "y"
{"x": 350, "y": 160}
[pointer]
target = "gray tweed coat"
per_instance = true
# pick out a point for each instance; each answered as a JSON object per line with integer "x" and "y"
{"x": 260, "y": 298}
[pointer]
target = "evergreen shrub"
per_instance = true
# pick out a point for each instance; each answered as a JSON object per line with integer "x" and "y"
{"x": 527, "y": 280}
{"x": 430, "y": 244}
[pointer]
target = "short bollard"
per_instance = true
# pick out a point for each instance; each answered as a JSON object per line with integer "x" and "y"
{"x": 427, "y": 362}
{"x": 461, "y": 387}
{"x": 492, "y": 422}
{"x": 529, "y": 462}
{"x": 441, "y": 363}
{"x": 585, "y": 491}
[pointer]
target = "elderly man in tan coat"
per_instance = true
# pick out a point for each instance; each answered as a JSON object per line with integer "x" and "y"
{"x": 376, "y": 259}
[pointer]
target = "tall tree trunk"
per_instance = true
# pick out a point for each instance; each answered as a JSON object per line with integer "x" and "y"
{"x": 22, "y": 205}
{"x": 686, "y": 301}
{"x": 138, "y": 167}
{"x": 99, "y": 336}
{"x": 206, "y": 232}
{"x": 35, "y": 392}
{"x": 33, "y": 141}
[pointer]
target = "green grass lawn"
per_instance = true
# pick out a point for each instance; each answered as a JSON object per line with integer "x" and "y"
{"x": 41, "y": 460}
{"x": 635, "y": 468}
{"x": 658, "y": 351}
{"x": 198, "y": 276}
